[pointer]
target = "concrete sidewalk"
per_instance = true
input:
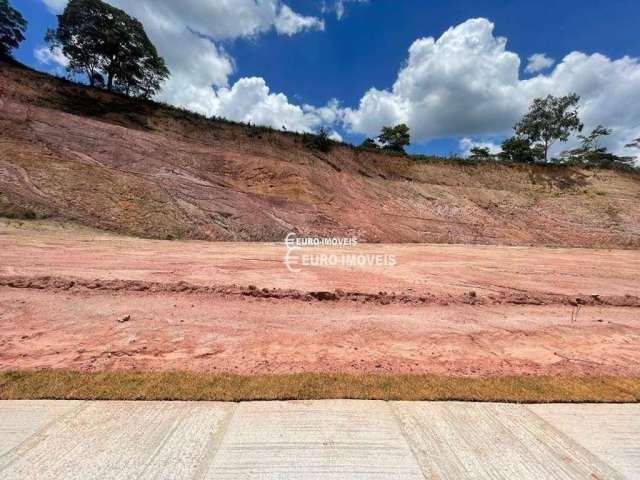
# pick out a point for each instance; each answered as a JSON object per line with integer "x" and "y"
{"x": 335, "y": 439}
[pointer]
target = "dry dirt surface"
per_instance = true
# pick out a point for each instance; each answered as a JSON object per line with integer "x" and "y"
{"x": 143, "y": 169}
{"x": 73, "y": 298}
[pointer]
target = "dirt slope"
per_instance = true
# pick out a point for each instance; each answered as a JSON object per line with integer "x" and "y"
{"x": 148, "y": 170}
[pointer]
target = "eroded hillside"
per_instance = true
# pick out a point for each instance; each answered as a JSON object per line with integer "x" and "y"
{"x": 141, "y": 168}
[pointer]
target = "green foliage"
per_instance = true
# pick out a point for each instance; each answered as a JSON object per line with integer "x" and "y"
{"x": 12, "y": 28}
{"x": 103, "y": 41}
{"x": 591, "y": 153}
{"x": 634, "y": 144}
{"x": 550, "y": 119}
{"x": 518, "y": 149}
{"x": 319, "y": 141}
{"x": 369, "y": 144}
{"x": 480, "y": 153}
{"x": 395, "y": 138}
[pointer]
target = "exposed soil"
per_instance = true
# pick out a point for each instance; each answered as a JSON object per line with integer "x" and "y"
{"x": 75, "y": 299}
{"x": 140, "y": 168}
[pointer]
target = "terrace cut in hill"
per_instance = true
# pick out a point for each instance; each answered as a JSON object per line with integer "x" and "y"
{"x": 141, "y": 168}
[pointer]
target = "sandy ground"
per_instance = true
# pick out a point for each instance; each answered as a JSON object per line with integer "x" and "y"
{"x": 447, "y": 309}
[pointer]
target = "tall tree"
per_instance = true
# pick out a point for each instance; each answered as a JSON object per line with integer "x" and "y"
{"x": 395, "y": 138}
{"x": 550, "y": 119}
{"x": 12, "y": 28}
{"x": 517, "y": 149}
{"x": 480, "y": 153}
{"x": 101, "y": 40}
{"x": 590, "y": 152}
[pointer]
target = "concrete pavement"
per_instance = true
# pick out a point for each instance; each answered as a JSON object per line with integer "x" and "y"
{"x": 331, "y": 439}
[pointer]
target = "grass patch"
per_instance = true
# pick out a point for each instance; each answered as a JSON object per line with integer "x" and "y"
{"x": 132, "y": 385}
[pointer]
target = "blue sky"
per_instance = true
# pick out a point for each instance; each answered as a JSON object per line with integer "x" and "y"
{"x": 368, "y": 46}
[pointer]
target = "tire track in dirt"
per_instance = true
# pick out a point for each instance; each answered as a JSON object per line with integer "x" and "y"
{"x": 61, "y": 283}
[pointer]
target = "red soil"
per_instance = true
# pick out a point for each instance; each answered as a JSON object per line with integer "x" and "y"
{"x": 65, "y": 298}
{"x": 139, "y": 168}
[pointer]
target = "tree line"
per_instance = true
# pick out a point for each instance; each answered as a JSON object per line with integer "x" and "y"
{"x": 100, "y": 41}
{"x": 549, "y": 120}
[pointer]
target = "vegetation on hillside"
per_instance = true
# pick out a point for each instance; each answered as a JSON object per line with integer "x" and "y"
{"x": 549, "y": 120}
{"x": 109, "y": 46}
{"x": 113, "y": 51}
{"x": 12, "y": 28}
{"x": 391, "y": 139}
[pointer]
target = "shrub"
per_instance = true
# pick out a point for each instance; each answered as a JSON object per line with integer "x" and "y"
{"x": 395, "y": 138}
{"x": 319, "y": 141}
{"x": 369, "y": 144}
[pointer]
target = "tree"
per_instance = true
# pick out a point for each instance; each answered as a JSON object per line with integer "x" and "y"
{"x": 480, "y": 153}
{"x": 518, "y": 149}
{"x": 319, "y": 141}
{"x": 12, "y": 28}
{"x": 369, "y": 144}
{"x": 395, "y": 138}
{"x": 550, "y": 119}
{"x": 591, "y": 153}
{"x": 101, "y": 40}
{"x": 634, "y": 144}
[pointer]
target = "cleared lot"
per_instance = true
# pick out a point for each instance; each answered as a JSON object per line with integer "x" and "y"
{"x": 452, "y": 310}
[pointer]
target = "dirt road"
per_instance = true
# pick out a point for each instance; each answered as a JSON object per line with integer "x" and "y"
{"x": 87, "y": 300}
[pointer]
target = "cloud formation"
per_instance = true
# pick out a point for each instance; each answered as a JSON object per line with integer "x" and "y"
{"x": 538, "y": 62}
{"x": 340, "y": 6}
{"x": 188, "y": 34}
{"x": 54, "y": 57}
{"x": 289, "y": 22}
{"x": 466, "y": 84}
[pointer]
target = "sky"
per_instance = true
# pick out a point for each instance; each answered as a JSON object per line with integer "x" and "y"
{"x": 459, "y": 73}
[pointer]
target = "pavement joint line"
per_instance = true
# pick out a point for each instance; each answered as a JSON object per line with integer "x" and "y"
{"x": 409, "y": 443}
{"x": 36, "y": 437}
{"x": 213, "y": 445}
{"x": 181, "y": 418}
{"x": 530, "y": 423}
{"x": 573, "y": 440}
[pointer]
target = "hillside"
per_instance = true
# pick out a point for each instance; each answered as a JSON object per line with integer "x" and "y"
{"x": 145, "y": 169}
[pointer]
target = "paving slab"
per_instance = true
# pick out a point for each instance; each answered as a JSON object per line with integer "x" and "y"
{"x": 455, "y": 440}
{"x": 121, "y": 440}
{"x": 610, "y": 431}
{"x": 319, "y": 440}
{"x": 21, "y": 420}
{"x": 328, "y": 439}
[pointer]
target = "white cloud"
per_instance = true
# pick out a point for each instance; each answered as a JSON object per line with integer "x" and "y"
{"x": 249, "y": 100}
{"x": 466, "y": 83}
{"x": 339, "y": 6}
{"x": 220, "y": 19}
{"x": 335, "y": 136}
{"x": 46, "y": 56}
{"x": 289, "y": 22}
{"x": 188, "y": 34}
{"x": 460, "y": 84}
{"x": 463, "y": 84}
{"x": 538, "y": 62}
{"x": 466, "y": 144}
{"x": 55, "y": 6}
